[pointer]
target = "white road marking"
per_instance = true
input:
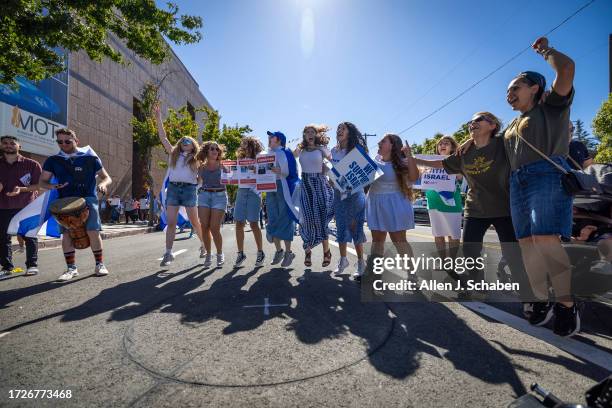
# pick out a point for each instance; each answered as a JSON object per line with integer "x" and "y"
{"x": 4, "y": 334}
{"x": 267, "y": 305}
{"x": 569, "y": 345}
{"x": 180, "y": 251}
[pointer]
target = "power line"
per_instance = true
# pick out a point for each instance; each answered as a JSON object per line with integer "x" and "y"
{"x": 475, "y": 84}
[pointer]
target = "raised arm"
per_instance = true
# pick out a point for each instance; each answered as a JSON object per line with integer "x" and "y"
{"x": 562, "y": 64}
{"x": 160, "y": 129}
{"x": 413, "y": 170}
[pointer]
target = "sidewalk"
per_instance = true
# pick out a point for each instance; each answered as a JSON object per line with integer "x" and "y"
{"x": 109, "y": 231}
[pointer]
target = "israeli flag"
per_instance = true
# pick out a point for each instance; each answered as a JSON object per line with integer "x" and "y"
{"x": 447, "y": 197}
{"x": 182, "y": 219}
{"x": 35, "y": 219}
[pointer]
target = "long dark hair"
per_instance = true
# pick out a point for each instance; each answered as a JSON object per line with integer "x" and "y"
{"x": 399, "y": 164}
{"x": 354, "y": 138}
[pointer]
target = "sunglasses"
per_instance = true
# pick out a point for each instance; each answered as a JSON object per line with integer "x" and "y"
{"x": 61, "y": 142}
{"x": 479, "y": 119}
{"x": 186, "y": 142}
{"x": 214, "y": 149}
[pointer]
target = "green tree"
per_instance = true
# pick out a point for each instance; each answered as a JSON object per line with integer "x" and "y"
{"x": 462, "y": 134}
{"x": 34, "y": 30}
{"x": 602, "y": 128}
{"x": 581, "y": 134}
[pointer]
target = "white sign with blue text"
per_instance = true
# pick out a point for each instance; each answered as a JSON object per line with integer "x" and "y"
{"x": 433, "y": 179}
{"x": 355, "y": 171}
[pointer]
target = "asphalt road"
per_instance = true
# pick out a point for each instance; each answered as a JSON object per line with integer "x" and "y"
{"x": 183, "y": 336}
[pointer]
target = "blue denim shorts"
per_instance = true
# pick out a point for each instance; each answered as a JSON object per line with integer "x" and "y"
{"x": 214, "y": 200}
{"x": 350, "y": 217}
{"x": 248, "y": 204}
{"x": 181, "y": 194}
{"x": 539, "y": 203}
{"x": 93, "y": 220}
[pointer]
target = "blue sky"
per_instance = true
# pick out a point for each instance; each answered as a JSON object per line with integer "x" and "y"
{"x": 383, "y": 65}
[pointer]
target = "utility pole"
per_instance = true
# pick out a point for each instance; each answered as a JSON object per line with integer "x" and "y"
{"x": 610, "y": 61}
{"x": 365, "y": 136}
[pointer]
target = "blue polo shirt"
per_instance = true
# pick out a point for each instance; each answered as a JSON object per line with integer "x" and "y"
{"x": 79, "y": 172}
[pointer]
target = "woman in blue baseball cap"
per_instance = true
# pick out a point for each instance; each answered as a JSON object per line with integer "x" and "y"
{"x": 536, "y": 147}
{"x": 282, "y": 214}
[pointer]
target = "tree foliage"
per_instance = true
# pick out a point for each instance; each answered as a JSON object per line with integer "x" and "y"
{"x": 34, "y": 30}
{"x": 602, "y": 128}
{"x": 228, "y": 136}
{"x": 581, "y": 134}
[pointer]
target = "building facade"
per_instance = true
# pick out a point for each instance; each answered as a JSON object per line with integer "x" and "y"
{"x": 100, "y": 102}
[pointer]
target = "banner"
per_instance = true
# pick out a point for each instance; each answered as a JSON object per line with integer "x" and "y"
{"x": 266, "y": 179}
{"x": 256, "y": 173}
{"x": 434, "y": 179}
{"x": 356, "y": 170}
{"x": 33, "y": 111}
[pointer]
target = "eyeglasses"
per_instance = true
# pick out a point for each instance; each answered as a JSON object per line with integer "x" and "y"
{"x": 61, "y": 142}
{"x": 479, "y": 119}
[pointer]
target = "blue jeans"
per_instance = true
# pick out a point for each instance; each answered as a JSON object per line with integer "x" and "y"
{"x": 350, "y": 217}
{"x": 539, "y": 203}
{"x": 181, "y": 195}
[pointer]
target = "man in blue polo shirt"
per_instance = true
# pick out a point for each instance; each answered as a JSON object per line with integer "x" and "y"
{"x": 75, "y": 170}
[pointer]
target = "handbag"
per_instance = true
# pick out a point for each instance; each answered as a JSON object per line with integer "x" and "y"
{"x": 575, "y": 182}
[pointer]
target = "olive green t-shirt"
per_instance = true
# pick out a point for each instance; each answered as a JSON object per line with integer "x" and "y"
{"x": 546, "y": 127}
{"x": 487, "y": 173}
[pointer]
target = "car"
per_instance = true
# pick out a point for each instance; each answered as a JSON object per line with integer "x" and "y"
{"x": 421, "y": 214}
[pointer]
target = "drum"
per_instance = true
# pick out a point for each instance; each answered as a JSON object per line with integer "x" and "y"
{"x": 71, "y": 213}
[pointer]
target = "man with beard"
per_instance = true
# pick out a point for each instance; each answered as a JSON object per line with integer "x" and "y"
{"x": 18, "y": 186}
{"x": 76, "y": 170}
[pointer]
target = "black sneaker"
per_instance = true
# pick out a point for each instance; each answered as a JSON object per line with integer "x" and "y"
{"x": 260, "y": 258}
{"x": 567, "y": 320}
{"x": 541, "y": 314}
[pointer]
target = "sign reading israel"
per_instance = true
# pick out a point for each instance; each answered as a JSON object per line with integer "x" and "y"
{"x": 433, "y": 179}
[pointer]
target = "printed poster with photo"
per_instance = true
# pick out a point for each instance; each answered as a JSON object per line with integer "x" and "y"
{"x": 356, "y": 170}
{"x": 266, "y": 179}
{"x": 229, "y": 169}
{"x": 247, "y": 172}
{"x": 434, "y": 179}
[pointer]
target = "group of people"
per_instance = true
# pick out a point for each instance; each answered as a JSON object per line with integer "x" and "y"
{"x": 133, "y": 209}
{"x": 512, "y": 185}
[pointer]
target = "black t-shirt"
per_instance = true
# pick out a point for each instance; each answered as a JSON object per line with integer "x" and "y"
{"x": 579, "y": 152}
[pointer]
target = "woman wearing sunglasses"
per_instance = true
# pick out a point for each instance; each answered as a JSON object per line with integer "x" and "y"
{"x": 485, "y": 167}
{"x": 183, "y": 183}
{"x": 212, "y": 200}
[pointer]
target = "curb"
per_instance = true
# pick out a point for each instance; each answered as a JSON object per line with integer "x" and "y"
{"x": 57, "y": 242}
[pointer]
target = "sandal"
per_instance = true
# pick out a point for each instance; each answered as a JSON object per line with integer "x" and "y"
{"x": 327, "y": 258}
{"x": 307, "y": 261}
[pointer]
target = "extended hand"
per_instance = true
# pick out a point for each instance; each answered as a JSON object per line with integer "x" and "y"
{"x": 58, "y": 186}
{"x": 102, "y": 189}
{"x": 465, "y": 146}
{"x": 540, "y": 45}
{"x": 16, "y": 191}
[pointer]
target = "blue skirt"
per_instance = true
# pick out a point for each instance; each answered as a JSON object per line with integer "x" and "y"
{"x": 280, "y": 224}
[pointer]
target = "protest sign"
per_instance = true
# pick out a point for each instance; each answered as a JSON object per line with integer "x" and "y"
{"x": 228, "y": 172}
{"x": 434, "y": 179}
{"x": 266, "y": 179}
{"x": 356, "y": 170}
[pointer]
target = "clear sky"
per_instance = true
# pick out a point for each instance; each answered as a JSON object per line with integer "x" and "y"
{"x": 385, "y": 64}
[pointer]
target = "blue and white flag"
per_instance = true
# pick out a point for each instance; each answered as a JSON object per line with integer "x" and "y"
{"x": 182, "y": 219}
{"x": 35, "y": 219}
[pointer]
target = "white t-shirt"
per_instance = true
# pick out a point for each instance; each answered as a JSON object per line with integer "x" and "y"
{"x": 312, "y": 162}
{"x": 182, "y": 173}
{"x": 144, "y": 204}
{"x": 115, "y": 201}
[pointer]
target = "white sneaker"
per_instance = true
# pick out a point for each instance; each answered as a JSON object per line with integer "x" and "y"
{"x": 203, "y": 252}
{"x": 278, "y": 256}
{"x": 287, "y": 259}
{"x": 5, "y": 273}
{"x": 31, "y": 271}
{"x": 70, "y": 273}
{"x": 167, "y": 259}
{"x": 361, "y": 265}
{"x": 208, "y": 261}
{"x": 343, "y": 263}
{"x": 101, "y": 270}
{"x": 220, "y": 259}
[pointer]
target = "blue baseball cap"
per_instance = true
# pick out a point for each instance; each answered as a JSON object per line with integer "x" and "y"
{"x": 280, "y": 135}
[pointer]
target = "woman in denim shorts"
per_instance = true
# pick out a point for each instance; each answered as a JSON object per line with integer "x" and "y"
{"x": 541, "y": 208}
{"x": 350, "y": 211}
{"x": 248, "y": 205}
{"x": 182, "y": 186}
{"x": 212, "y": 200}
